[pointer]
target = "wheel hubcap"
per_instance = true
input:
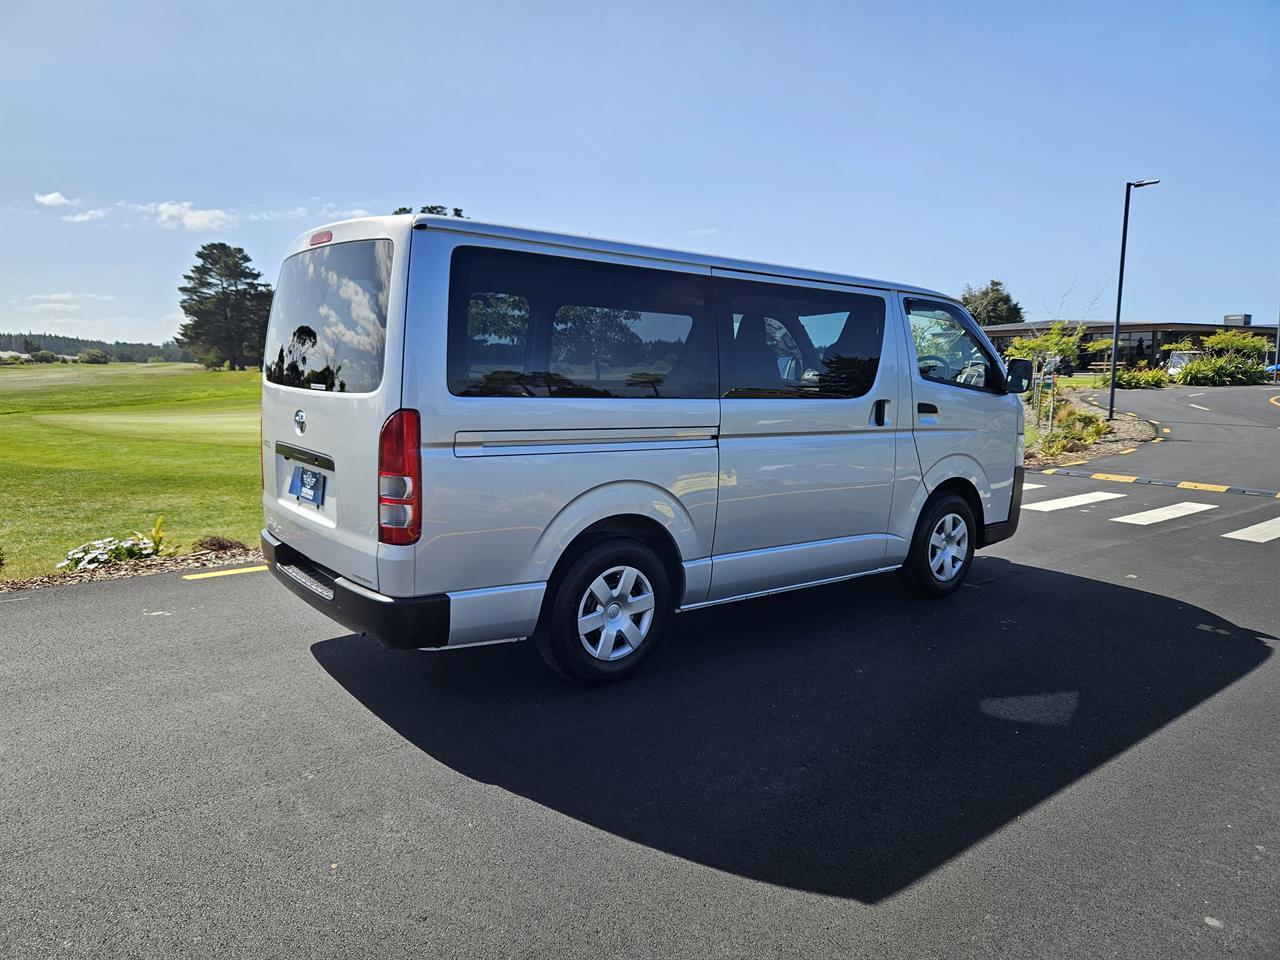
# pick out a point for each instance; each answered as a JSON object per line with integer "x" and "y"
{"x": 948, "y": 547}
{"x": 615, "y": 613}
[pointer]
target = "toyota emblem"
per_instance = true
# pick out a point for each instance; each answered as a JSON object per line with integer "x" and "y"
{"x": 300, "y": 422}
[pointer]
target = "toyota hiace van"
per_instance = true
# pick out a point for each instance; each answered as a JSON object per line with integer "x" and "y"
{"x": 475, "y": 433}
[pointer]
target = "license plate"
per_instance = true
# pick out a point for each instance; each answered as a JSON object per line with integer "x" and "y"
{"x": 307, "y": 485}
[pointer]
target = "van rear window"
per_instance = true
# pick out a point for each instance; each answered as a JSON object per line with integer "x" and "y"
{"x": 328, "y": 326}
{"x": 530, "y": 325}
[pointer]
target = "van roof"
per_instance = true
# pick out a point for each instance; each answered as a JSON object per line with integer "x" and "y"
{"x": 598, "y": 245}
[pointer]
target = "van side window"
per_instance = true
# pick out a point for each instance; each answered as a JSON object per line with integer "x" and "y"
{"x": 785, "y": 341}
{"x": 529, "y": 325}
{"x": 946, "y": 351}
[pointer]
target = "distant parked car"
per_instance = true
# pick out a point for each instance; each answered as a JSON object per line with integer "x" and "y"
{"x": 1179, "y": 359}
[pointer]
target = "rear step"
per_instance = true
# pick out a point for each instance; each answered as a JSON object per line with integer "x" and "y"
{"x": 314, "y": 579}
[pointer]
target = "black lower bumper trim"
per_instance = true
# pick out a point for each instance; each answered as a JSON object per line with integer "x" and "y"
{"x": 995, "y": 532}
{"x": 405, "y": 622}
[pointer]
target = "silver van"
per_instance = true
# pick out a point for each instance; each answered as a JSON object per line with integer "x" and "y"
{"x": 474, "y": 433}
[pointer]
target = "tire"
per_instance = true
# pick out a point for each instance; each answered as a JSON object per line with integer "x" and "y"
{"x": 936, "y": 566}
{"x": 629, "y": 628}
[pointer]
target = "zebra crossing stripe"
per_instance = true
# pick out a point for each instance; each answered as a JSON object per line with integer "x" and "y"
{"x": 1161, "y": 514}
{"x": 1263, "y": 532}
{"x": 1079, "y": 500}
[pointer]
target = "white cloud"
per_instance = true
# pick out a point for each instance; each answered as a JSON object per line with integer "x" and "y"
{"x": 70, "y": 297}
{"x": 330, "y": 211}
{"x": 269, "y": 216}
{"x": 172, "y": 215}
{"x": 87, "y": 216}
{"x": 49, "y": 307}
{"x": 54, "y": 199}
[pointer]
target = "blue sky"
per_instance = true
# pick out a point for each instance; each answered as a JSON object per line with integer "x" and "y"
{"x": 938, "y": 144}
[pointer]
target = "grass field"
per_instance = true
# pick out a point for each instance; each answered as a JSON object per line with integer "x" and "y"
{"x": 95, "y": 451}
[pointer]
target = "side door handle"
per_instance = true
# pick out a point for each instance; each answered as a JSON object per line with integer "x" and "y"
{"x": 929, "y": 408}
{"x": 879, "y": 412}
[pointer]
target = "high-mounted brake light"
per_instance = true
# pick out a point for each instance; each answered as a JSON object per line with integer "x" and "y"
{"x": 324, "y": 236}
{"x": 400, "y": 479}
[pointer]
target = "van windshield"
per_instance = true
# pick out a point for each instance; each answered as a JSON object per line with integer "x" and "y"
{"x": 328, "y": 326}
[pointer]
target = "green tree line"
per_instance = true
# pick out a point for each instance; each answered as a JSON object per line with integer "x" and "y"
{"x": 119, "y": 350}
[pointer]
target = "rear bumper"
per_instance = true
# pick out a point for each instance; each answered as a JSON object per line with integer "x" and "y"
{"x": 995, "y": 532}
{"x": 406, "y": 622}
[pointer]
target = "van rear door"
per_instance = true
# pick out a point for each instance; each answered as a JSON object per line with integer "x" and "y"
{"x": 332, "y": 377}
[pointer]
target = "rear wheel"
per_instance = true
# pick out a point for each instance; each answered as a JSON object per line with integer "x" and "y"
{"x": 942, "y": 548}
{"x": 607, "y": 614}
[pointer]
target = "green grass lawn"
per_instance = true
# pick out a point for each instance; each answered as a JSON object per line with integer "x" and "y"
{"x": 96, "y": 451}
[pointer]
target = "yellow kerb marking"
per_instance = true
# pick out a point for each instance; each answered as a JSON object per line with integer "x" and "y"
{"x": 1050, "y": 470}
{"x": 1073, "y": 463}
{"x": 1158, "y": 440}
{"x": 1130, "y": 450}
{"x": 1275, "y": 400}
{"x": 222, "y": 573}
{"x": 1117, "y": 477}
{"x": 1165, "y": 430}
{"x": 1192, "y": 485}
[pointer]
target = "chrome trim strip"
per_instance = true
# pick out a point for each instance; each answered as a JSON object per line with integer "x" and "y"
{"x": 500, "y": 442}
{"x": 798, "y": 586}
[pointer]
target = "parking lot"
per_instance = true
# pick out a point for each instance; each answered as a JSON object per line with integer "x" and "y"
{"x": 1076, "y": 754}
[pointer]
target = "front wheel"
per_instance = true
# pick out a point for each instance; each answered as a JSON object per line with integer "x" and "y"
{"x": 608, "y": 613}
{"x": 942, "y": 548}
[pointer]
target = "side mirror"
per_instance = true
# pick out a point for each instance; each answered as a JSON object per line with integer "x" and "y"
{"x": 1019, "y": 379}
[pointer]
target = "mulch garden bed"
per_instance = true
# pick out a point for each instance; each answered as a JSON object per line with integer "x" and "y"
{"x": 140, "y": 568}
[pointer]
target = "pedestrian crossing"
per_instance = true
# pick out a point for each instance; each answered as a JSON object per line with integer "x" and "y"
{"x": 1161, "y": 514}
{"x": 1263, "y": 532}
{"x": 1266, "y": 531}
{"x": 1078, "y": 500}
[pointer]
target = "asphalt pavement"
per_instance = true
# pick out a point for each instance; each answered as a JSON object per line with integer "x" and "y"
{"x": 1076, "y": 756}
{"x": 1225, "y": 435}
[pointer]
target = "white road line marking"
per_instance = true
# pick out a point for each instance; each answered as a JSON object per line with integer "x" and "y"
{"x": 1079, "y": 500}
{"x": 1262, "y": 532}
{"x": 1160, "y": 514}
{"x": 1032, "y": 486}
{"x": 1197, "y": 406}
{"x": 1195, "y": 394}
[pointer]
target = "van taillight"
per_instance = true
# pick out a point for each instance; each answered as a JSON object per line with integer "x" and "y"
{"x": 400, "y": 479}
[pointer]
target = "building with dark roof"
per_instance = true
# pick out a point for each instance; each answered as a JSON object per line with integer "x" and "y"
{"x": 1139, "y": 339}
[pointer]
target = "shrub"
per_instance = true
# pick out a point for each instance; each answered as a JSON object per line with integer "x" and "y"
{"x": 1077, "y": 424}
{"x": 1237, "y": 342}
{"x": 218, "y": 544}
{"x": 44, "y": 356}
{"x": 1140, "y": 379}
{"x": 94, "y": 356}
{"x": 1225, "y": 370}
{"x": 99, "y": 553}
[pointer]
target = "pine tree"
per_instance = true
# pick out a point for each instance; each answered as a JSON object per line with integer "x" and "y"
{"x": 991, "y": 304}
{"x": 226, "y": 307}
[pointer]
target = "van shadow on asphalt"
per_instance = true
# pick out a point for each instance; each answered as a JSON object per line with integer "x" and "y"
{"x": 842, "y": 740}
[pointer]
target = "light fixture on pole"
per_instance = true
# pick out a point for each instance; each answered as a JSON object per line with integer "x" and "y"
{"x": 1115, "y": 330}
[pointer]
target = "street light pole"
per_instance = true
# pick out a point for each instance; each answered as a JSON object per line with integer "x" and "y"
{"x": 1115, "y": 330}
